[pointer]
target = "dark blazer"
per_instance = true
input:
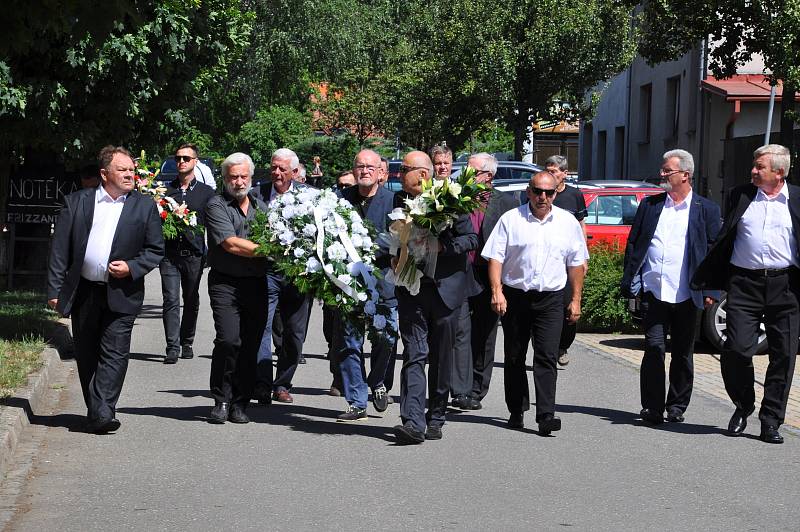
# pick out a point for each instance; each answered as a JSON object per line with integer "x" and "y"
{"x": 138, "y": 241}
{"x": 704, "y": 224}
{"x": 377, "y": 214}
{"x": 714, "y": 272}
{"x": 499, "y": 203}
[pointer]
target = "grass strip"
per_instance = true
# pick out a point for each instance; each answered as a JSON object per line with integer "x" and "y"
{"x": 25, "y": 321}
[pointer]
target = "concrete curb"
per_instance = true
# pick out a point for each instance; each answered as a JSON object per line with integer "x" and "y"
{"x": 16, "y": 411}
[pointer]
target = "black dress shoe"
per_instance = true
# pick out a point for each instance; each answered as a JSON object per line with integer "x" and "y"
{"x": 459, "y": 401}
{"x": 219, "y": 414}
{"x": 103, "y": 426}
{"x": 433, "y": 433}
{"x": 262, "y": 394}
{"x": 301, "y": 360}
{"x": 516, "y": 420}
{"x": 770, "y": 434}
{"x": 649, "y": 415}
{"x": 237, "y": 414}
{"x": 674, "y": 415}
{"x": 171, "y": 358}
{"x": 187, "y": 352}
{"x": 407, "y": 435}
{"x": 472, "y": 404}
{"x": 548, "y": 424}
{"x": 737, "y": 424}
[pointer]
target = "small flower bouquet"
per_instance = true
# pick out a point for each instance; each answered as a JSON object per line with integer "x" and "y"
{"x": 417, "y": 226}
{"x": 175, "y": 216}
{"x": 321, "y": 243}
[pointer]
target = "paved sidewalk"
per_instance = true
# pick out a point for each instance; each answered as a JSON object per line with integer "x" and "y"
{"x": 294, "y": 467}
{"x": 628, "y": 348}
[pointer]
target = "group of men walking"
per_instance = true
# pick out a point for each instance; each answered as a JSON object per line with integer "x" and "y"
{"x": 521, "y": 263}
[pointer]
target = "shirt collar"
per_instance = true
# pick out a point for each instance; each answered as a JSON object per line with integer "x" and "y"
{"x": 532, "y": 218}
{"x": 670, "y": 203}
{"x": 783, "y": 195}
{"x": 176, "y": 183}
{"x": 101, "y": 196}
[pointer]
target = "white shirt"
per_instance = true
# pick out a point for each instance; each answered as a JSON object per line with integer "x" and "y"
{"x": 203, "y": 174}
{"x": 535, "y": 253}
{"x": 104, "y": 224}
{"x": 273, "y": 193}
{"x": 764, "y": 234}
{"x": 664, "y": 272}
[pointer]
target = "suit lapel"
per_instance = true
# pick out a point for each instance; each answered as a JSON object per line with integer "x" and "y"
{"x": 127, "y": 208}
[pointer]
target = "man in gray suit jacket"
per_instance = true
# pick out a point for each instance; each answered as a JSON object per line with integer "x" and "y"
{"x": 428, "y": 320}
{"x": 106, "y": 240}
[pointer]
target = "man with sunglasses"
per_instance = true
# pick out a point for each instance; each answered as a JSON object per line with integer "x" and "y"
{"x": 185, "y": 256}
{"x": 670, "y": 236}
{"x": 532, "y": 252}
{"x": 429, "y": 320}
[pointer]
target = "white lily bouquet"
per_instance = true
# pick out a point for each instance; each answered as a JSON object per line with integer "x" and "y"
{"x": 417, "y": 226}
{"x": 321, "y": 243}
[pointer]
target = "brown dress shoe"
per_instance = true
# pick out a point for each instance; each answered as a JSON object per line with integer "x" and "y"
{"x": 282, "y": 396}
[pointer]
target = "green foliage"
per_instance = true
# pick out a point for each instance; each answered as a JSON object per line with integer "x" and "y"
{"x": 24, "y": 322}
{"x": 275, "y": 127}
{"x": 491, "y": 138}
{"x": 336, "y": 154}
{"x": 602, "y": 306}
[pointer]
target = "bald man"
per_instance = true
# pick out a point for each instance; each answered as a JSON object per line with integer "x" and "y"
{"x": 428, "y": 320}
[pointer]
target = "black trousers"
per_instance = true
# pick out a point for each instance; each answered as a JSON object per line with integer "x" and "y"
{"x": 532, "y": 316}
{"x": 237, "y": 304}
{"x": 752, "y": 298}
{"x": 428, "y": 329}
{"x": 568, "y": 330}
{"x": 483, "y": 337}
{"x": 461, "y": 380}
{"x": 102, "y": 348}
{"x": 180, "y": 276}
{"x": 680, "y": 321}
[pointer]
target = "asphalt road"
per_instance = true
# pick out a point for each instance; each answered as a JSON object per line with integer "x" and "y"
{"x": 295, "y": 468}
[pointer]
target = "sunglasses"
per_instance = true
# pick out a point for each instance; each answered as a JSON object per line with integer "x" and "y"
{"x": 405, "y": 169}
{"x": 549, "y": 192}
{"x": 183, "y": 158}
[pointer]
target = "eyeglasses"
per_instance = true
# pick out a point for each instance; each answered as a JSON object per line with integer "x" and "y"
{"x": 183, "y": 158}
{"x": 667, "y": 173}
{"x": 405, "y": 169}
{"x": 366, "y": 167}
{"x": 536, "y": 191}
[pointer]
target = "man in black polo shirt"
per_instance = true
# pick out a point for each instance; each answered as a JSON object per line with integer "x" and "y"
{"x": 571, "y": 200}
{"x": 237, "y": 287}
{"x": 182, "y": 266}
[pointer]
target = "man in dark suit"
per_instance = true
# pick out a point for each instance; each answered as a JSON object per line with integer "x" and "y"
{"x": 755, "y": 258}
{"x": 106, "y": 240}
{"x": 428, "y": 320}
{"x": 374, "y": 203}
{"x": 283, "y": 294}
{"x": 670, "y": 236}
{"x": 483, "y": 321}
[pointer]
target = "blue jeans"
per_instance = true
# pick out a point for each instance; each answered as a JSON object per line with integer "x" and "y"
{"x": 348, "y": 341}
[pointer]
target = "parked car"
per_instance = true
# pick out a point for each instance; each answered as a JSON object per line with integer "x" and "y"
{"x": 611, "y": 212}
{"x": 616, "y": 183}
{"x": 169, "y": 170}
{"x": 507, "y": 171}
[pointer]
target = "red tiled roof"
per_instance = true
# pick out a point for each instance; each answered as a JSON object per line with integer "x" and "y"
{"x": 746, "y": 87}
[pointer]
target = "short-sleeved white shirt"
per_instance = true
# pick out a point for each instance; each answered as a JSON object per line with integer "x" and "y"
{"x": 535, "y": 253}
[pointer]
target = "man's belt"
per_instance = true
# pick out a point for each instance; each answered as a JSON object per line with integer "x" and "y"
{"x": 762, "y": 272}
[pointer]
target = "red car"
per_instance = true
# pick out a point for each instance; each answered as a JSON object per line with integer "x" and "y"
{"x": 611, "y": 211}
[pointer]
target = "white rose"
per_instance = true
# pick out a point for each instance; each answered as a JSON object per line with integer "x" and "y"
{"x": 357, "y": 240}
{"x": 286, "y": 237}
{"x": 328, "y": 269}
{"x": 369, "y": 308}
{"x": 378, "y": 322}
{"x": 361, "y": 296}
{"x": 299, "y": 252}
{"x": 366, "y": 242}
{"x": 310, "y": 230}
{"x": 313, "y": 265}
{"x": 346, "y": 279}
{"x": 288, "y": 212}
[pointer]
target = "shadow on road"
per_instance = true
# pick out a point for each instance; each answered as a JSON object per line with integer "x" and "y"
{"x": 147, "y": 357}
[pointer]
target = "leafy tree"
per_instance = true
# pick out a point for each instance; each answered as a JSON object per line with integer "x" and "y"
{"x": 336, "y": 154}
{"x": 737, "y": 29}
{"x": 274, "y": 127}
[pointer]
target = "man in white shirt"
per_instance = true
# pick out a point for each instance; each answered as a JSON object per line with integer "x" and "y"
{"x": 670, "y": 236}
{"x": 532, "y": 251}
{"x": 755, "y": 259}
{"x": 106, "y": 240}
